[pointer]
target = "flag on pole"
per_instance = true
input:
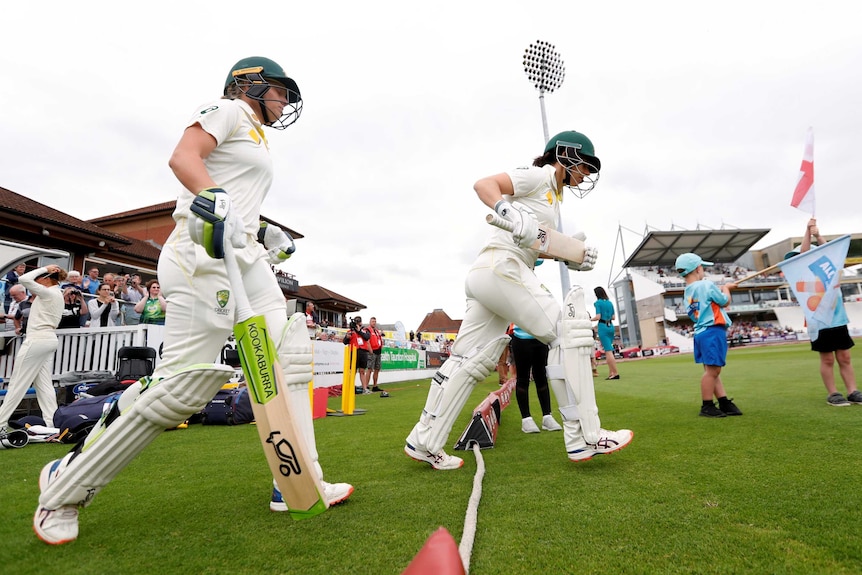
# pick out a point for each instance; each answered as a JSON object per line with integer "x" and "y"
{"x": 803, "y": 195}
{"x": 814, "y": 277}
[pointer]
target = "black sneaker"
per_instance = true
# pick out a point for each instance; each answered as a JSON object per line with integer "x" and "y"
{"x": 375, "y": 388}
{"x": 837, "y": 400}
{"x": 855, "y": 397}
{"x": 729, "y": 408}
{"x": 710, "y": 410}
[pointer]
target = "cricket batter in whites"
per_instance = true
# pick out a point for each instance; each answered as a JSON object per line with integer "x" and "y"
{"x": 223, "y": 162}
{"x": 502, "y": 287}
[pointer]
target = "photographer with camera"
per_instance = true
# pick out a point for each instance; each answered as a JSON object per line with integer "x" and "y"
{"x": 359, "y": 338}
{"x": 75, "y": 311}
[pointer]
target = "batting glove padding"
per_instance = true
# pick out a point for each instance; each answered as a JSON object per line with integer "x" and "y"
{"x": 526, "y": 226}
{"x": 590, "y": 255}
{"x": 278, "y": 243}
{"x": 214, "y": 222}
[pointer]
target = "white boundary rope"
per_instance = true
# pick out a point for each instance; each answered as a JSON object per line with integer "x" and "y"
{"x": 471, "y": 518}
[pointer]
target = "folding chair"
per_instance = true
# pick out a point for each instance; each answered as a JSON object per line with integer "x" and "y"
{"x": 135, "y": 362}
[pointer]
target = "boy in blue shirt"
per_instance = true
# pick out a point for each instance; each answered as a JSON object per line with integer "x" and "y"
{"x": 705, "y": 303}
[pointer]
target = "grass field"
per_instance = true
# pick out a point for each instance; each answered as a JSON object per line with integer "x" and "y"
{"x": 777, "y": 490}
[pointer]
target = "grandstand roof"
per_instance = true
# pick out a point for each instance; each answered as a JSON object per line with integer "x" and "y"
{"x": 719, "y": 246}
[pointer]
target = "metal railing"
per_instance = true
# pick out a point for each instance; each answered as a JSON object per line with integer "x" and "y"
{"x": 83, "y": 349}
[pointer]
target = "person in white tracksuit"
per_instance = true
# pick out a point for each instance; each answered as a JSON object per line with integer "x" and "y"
{"x": 501, "y": 287}
{"x": 33, "y": 361}
{"x": 224, "y": 164}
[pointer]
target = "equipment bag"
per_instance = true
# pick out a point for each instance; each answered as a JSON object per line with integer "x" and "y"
{"x": 76, "y": 419}
{"x": 228, "y": 407}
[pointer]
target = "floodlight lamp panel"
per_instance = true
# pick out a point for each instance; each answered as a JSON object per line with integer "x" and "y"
{"x": 543, "y": 66}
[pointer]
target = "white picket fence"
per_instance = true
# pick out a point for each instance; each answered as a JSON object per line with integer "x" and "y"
{"x": 86, "y": 349}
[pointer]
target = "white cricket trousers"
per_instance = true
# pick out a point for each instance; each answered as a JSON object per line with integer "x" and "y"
{"x": 32, "y": 367}
{"x": 201, "y": 309}
{"x": 500, "y": 290}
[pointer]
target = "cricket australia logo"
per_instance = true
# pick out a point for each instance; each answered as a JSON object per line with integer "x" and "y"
{"x": 283, "y": 449}
{"x": 222, "y": 299}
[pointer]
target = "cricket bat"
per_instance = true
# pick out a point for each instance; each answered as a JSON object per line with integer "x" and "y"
{"x": 285, "y": 448}
{"x": 550, "y": 243}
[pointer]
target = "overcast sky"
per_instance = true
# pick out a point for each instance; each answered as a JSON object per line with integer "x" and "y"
{"x": 697, "y": 110}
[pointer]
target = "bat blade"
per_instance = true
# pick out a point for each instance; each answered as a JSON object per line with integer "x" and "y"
{"x": 283, "y": 444}
{"x": 550, "y": 243}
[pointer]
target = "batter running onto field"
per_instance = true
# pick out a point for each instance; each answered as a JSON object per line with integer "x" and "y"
{"x": 502, "y": 287}
{"x": 223, "y": 162}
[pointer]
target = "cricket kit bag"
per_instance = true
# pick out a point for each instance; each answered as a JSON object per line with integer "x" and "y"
{"x": 228, "y": 407}
{"x": 76, "y": 419}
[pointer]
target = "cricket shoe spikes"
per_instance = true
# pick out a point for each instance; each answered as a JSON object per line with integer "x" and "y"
{"x": 55, "y": 526}
{"x": 609, "y": 441}
{"x": 439, "y": 460}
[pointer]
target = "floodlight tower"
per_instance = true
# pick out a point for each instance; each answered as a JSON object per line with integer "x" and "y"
{"x": 546, "y": 71}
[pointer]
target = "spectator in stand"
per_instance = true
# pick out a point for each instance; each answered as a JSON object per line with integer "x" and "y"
{"x": 833, "y": 343}
{"x": 104, "y": 308}
{"x": 530, "y": 357}
{"x": 134, "y": 293}
{"x": 605, "y": 316}
{"x": 118, "y": 285}
{"x": 153, "y": 308}
{"x": 75, "y": 310}
{"x": 412, "y": 336}
{"x": 90, "y": 282}
{"x": 357, "y": 337}
{"x": 11, "y": 280}
{"x": 19, "y": 297}
{"x": 33, "y": 362}
{"x": 312, "y": 322}
{"x": 376, "y": 342}
{"x": 73, "y": 280}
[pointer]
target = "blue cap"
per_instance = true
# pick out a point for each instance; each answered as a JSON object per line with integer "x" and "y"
{"x": 687, "y": 263}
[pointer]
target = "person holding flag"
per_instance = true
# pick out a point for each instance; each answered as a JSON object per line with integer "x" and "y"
{"x": 833, "y": 343}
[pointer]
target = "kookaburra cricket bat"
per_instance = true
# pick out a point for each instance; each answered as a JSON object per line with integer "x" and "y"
{"x": 285, "y": 447}
{"x": 550, "y": 243}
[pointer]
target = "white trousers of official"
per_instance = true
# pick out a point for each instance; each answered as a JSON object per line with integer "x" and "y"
{"x": 32, "y": 367}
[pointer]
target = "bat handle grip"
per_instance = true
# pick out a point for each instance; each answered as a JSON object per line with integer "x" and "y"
{"x": 497, "y": 221}
{"x": 243, "y": 307}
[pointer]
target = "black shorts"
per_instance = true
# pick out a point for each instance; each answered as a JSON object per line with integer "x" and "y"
{"x": 832, "y": 339}
{"x": 362, "y": 357}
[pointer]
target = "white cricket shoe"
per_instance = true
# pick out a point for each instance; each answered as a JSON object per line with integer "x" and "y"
{"x": 609, "y": 441}
{"x": 55, "y": 526}
{"x": 550, "y": 424}
{"x": 529, "y": 426}
{"x": 334, "y": 493}
{"x": 439, "y": 460}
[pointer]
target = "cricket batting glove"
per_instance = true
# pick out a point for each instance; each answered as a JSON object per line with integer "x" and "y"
{"x": 278, "y": 243}
{"x": 526, "y": 228}
{"x": 215, "y": 222}
{"x": 590, "y": 255}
